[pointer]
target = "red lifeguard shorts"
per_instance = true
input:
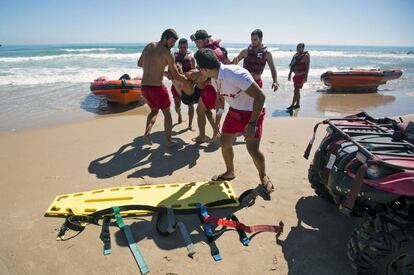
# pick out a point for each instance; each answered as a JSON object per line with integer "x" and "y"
{"x": 156, "y": 96}
{"x": 174, "y": 92}
{"x": 208, "y": 96}
{"x": 259, "y": 82}
{"x": 298, "y": 81}
{"x": 237, "y": 120}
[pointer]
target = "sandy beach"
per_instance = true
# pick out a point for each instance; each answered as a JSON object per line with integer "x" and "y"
{"x": 39, "y": 164}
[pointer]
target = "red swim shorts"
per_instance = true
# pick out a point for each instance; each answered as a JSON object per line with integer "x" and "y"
{"x": 208, "y": 96}
{"x": 156, "y": 96}
{"x": 259, "y": 82}
{"x": 174, "y": 92}
{"x": 298, "y": 81}
{"x": 237, "y": 120}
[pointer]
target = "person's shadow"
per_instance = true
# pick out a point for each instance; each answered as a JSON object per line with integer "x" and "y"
{"x": 318, "y": 243}
{"x": 163, "y": 161}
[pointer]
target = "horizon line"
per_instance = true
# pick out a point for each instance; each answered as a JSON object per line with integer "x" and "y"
{"x": 118, "y": 43}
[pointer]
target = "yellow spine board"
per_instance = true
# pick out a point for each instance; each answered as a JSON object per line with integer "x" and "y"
{"x": 178, "y": 195}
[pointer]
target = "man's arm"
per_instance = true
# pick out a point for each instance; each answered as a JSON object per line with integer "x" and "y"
{"x": 291, "y": 67}
{"x": 307, "y": 63}
{"x": 258, "y": 103}
{"x": 269, "y": 59}
{"x": 172, "y": 68}
{"x": 193, "y": 64}
{"x": 141, "y": 58}
{"x": 240, "y": 57}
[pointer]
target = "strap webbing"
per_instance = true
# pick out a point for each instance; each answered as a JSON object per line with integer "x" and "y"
{"x": 349, "y": 202}
{"x": 187, "y": 239}
{"x": 105, "y": 236}
{"x": 245, "y": 228}
{"x": 208, "y": 230}
{"x": 131, "y": 242}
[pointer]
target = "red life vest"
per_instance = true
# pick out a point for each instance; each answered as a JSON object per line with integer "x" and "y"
{"x": 185, "y": 60}
{"x": 298, "y": 64}
{"x": 215, "y": 46}
{"x": 255, "y": 62}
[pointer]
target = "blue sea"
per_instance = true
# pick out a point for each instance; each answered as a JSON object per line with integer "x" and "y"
{"x": 42, "y": 85}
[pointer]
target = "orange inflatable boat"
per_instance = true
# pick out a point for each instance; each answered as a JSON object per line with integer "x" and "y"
{"x": 358, "y": 79}
{"x": 122, "y": 91}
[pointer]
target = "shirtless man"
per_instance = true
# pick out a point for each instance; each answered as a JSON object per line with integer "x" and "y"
{"x": 255, "y": 58}
{"x": 246, "y": 113}
{"x": 300, "y": 66}
{"x": 209, "y": 99}
{"x": 153, "y": 60}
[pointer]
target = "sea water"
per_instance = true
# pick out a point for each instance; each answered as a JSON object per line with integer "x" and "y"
{"x": 44, "y": 84}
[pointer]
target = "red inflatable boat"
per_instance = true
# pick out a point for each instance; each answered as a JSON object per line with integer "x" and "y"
{"x": 122, "y": 91}
{"x": 358, "y": 79}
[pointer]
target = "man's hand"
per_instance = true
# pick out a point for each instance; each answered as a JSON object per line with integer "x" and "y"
{"x": 289, "y": 78}
{"x": 249, "y": 131}
{"x": 275, "y": 86}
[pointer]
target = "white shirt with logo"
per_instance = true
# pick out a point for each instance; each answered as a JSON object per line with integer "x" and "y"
{"x": 231, "y": 83}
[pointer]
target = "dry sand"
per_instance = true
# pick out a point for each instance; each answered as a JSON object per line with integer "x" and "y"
{"x": 39, "y": 164}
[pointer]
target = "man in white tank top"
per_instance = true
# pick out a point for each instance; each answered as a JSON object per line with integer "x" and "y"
{"x": 246, "y": 113}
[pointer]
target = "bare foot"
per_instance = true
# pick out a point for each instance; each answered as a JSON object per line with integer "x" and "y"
{"x": 216, "y": 137}
{"x": 267, "y": 185}
{"x": 200, "y": 139}
{"x": 147, "y": 140}
{"x": 224, "y": 176}
{"x": 190, "y": 128}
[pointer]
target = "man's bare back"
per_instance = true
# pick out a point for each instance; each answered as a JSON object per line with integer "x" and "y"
{"x": 154, "y": 59}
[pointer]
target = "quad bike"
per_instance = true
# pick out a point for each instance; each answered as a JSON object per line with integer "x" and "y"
{"x": 366, "y": 167}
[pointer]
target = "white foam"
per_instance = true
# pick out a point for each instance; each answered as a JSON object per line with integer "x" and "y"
{"x": 34, "y": 76}
{"x": 89, "y": 50}
{"x": 316, "y": 53}
{"x": 117, "y": 56}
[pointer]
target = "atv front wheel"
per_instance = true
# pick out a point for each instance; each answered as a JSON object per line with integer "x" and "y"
{"x": 383, "y": 245}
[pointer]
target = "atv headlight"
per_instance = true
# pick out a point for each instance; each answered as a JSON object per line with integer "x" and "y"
{"x": 373, "y": 172}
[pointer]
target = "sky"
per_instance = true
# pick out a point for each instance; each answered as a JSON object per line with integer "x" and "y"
{"x": 318, "y": 22}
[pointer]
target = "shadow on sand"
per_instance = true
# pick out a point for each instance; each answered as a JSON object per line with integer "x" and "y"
{"x": 318, "y": 243}
{"x": 162, "y": 161}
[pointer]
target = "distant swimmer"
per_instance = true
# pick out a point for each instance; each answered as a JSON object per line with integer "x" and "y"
{"x": 153, "y": 60}
{"x": 300, "y": 67}
{"x": 255, "y": 58}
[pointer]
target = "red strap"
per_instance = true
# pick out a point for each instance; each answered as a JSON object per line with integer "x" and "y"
{"x": 309, "y": 147}
{"x": 356, "y": 187}
{"x": 248, "y": 229}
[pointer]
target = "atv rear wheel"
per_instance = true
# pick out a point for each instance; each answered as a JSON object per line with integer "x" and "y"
{"x": 383, "y": 245}
{"x": 317, "y": 184}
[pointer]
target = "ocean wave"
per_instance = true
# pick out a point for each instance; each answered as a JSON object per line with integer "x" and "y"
{"x": 317, "y": 53}
{"x": 116, "y": 56}
{"x": 75, "y": 74}
{"x": 89, "y": 50}
{"x": 35, "y": 76}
